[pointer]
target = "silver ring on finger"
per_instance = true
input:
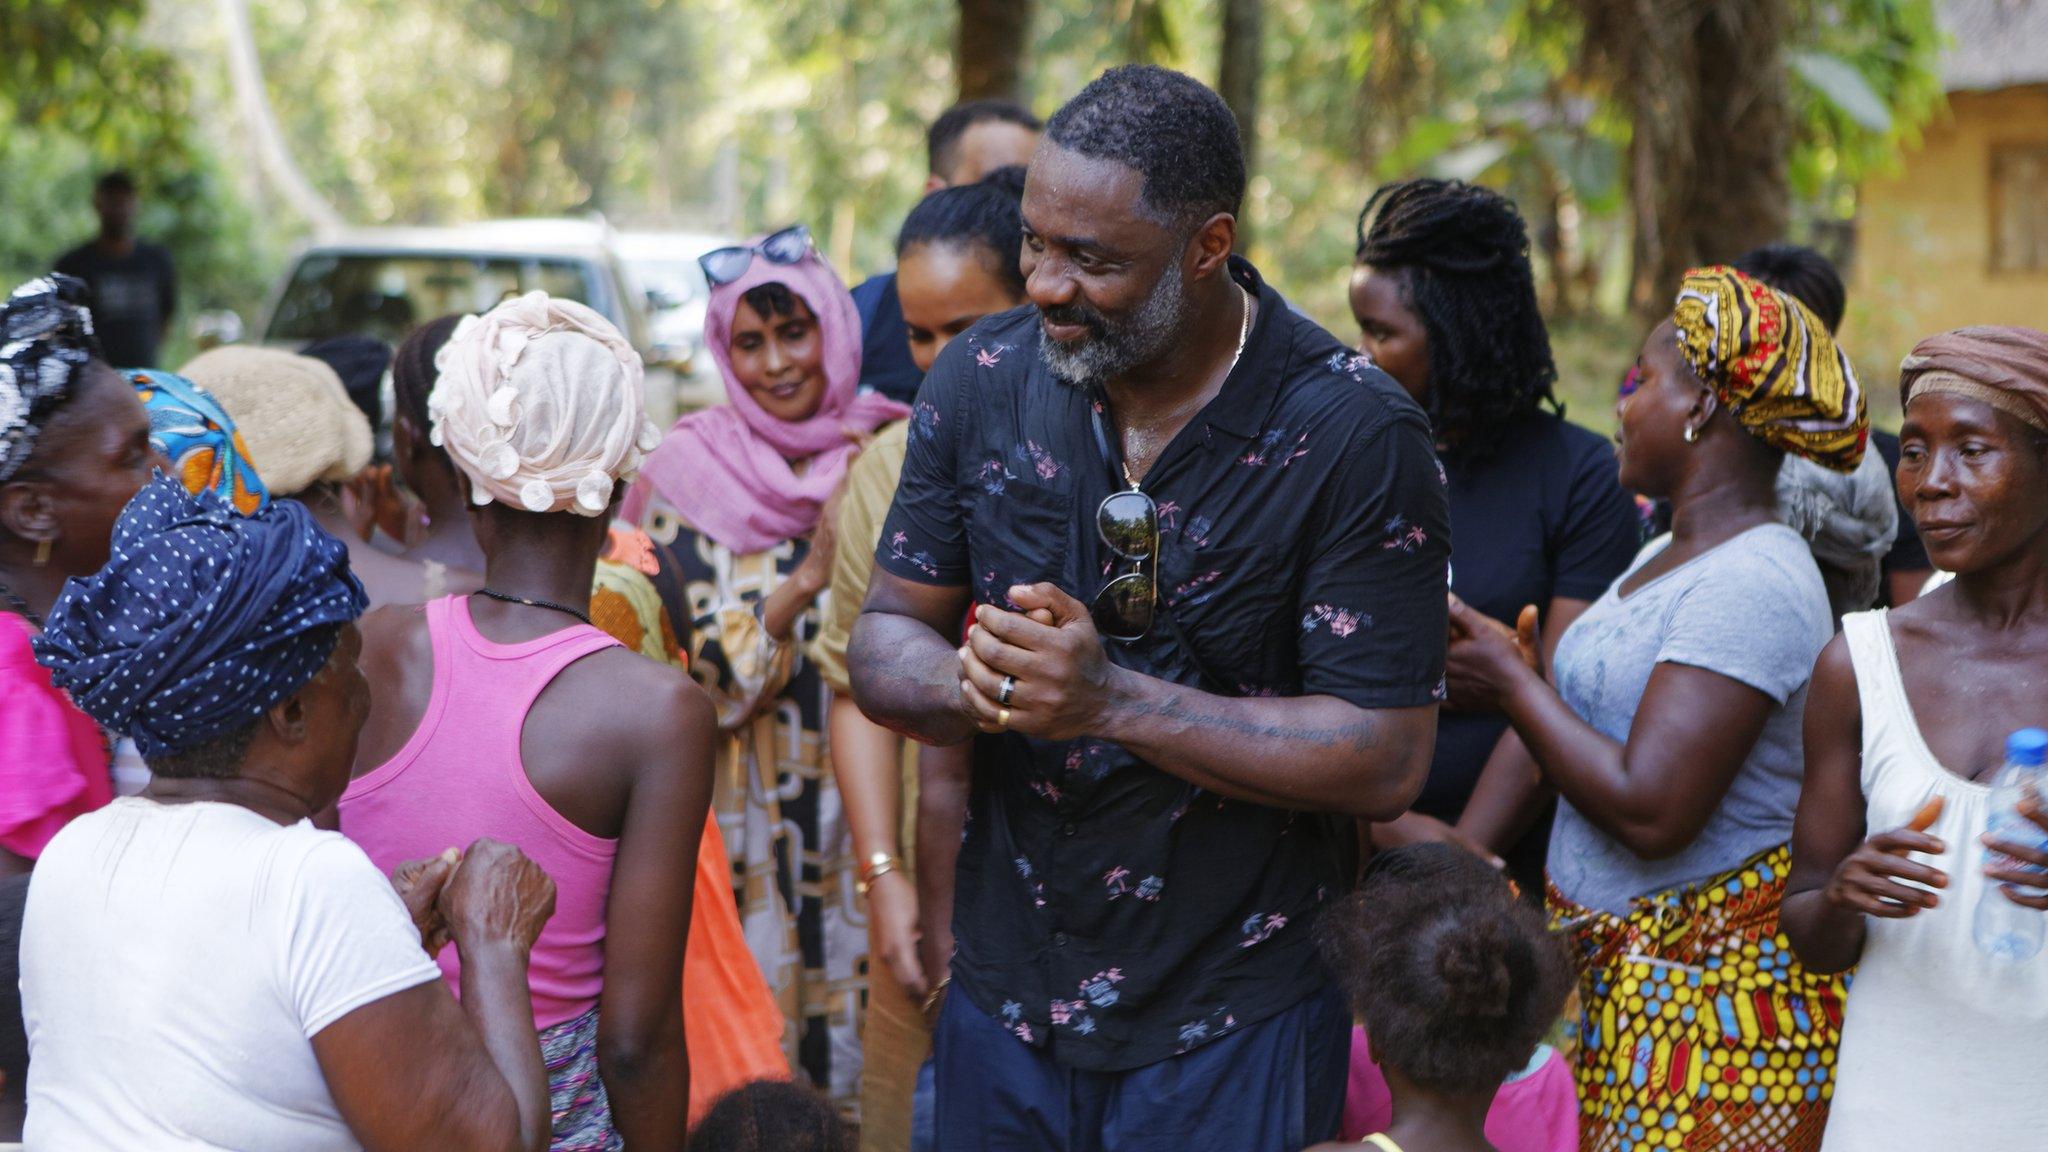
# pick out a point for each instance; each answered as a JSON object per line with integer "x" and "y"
{"x": 1006, "y": 689}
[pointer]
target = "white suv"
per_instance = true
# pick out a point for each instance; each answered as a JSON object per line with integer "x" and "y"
{"x": 383, "y": 282}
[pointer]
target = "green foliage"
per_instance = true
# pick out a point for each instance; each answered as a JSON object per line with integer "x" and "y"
{"x": 82, "y": 92}
{"x": 1871, "y": 78}
{"x": 747, "y": 114}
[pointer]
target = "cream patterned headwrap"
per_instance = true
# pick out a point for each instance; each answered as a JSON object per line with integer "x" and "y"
{"x": 540, "y": 403}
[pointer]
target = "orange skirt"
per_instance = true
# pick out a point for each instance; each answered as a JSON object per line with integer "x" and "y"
{"x": 730, "y": 1021}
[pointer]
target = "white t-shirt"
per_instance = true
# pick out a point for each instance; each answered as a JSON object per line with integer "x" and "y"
{"x": 176, "y": 962}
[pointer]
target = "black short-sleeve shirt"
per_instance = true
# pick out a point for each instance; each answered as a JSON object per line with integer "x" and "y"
{"x": 1542, "y": 517}
{"x": 1104, "y": 906}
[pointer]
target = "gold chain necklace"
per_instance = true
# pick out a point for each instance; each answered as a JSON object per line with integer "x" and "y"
{"x": 1244, "y": 333}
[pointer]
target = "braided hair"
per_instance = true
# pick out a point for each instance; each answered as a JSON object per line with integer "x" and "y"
{"x": 1462, "y": 256}
{"x": 984, "y": 215}
{"x": 413, "y": 372}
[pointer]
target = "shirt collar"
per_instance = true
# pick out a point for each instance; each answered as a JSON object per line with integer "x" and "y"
{"x": 1248, "y": 393}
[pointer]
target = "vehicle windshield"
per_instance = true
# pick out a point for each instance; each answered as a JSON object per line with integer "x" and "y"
{"x": 386, "y": 295}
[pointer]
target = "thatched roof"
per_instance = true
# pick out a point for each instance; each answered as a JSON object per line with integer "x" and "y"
{"x": 1997, "y": 44}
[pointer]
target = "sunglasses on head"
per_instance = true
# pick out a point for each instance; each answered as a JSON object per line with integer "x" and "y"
{"x": 725, "y": 265}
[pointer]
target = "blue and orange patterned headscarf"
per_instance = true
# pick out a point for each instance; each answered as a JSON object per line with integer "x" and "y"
{"x": 1774, "y": 366}
{"x": 198, "y": 437}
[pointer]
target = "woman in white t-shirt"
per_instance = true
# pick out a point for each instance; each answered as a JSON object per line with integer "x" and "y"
{"x": 201, "y": 967}
{"x": 1943, "y": 1045}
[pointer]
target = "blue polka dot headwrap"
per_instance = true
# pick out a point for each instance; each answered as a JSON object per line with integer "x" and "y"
{"x": 46, "y": 339}
{"x": 203, "y": 618}
{"x": 198, "y": 437}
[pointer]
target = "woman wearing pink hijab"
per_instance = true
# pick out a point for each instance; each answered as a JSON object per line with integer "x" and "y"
{"x": 738, "y": 502}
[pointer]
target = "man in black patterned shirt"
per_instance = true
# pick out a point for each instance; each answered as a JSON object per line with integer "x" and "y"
{"x": 1206, "y": 548}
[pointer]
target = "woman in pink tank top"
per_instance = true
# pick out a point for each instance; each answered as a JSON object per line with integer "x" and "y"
{"x": 506, "y": 714}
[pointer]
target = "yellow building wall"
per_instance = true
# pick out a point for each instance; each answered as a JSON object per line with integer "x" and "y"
{"x": 1923, "y": 238}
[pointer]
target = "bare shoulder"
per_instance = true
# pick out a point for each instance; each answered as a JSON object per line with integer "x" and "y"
{"x": 1834, "y": 670}
{"x": 657, "y": 707}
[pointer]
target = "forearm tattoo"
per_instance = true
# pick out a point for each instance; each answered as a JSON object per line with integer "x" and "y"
{"x": 1199, "y": 710}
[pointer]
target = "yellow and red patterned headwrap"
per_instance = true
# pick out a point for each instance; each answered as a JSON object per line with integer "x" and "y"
{"x": 1774, "y": 366}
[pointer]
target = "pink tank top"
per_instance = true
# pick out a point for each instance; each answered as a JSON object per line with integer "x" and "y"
{"x": 461, "y": 777}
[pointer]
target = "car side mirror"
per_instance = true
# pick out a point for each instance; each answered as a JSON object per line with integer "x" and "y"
{"x": 662, "y": 300}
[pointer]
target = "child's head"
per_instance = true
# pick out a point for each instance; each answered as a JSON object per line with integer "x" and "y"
{"x": 772, "y": 1116}
{"x": 1456, "y": 980}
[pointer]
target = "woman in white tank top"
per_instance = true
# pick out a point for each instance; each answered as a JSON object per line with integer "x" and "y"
{"x": 1943, "y": 1046}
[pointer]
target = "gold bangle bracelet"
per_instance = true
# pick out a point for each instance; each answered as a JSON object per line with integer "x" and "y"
{"x": 937, "y": 994}
{"x": 877, "y": 866}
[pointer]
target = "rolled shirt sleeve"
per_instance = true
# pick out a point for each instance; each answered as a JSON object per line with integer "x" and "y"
{"x": 924, "y": 539}
{"x": 1374, "y": 598}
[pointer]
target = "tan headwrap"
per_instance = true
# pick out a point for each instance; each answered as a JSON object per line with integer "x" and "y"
{"x": 539, "y": 402}
{"x": 292, "y": 411}
{"x": 2004, "y": 367}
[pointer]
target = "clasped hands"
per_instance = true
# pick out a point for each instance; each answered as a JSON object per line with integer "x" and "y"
{"x": 1061, "y": 685}
{"x": 490, "y": 893}
{"x": 1486, "y": 658}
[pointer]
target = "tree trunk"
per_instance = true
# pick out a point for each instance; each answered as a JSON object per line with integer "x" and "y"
{"x": 1238, "y": 79}
{"x": 1704, "y": 81}
{"x": 989, "y": 52}
{"x": 245, "y": 72}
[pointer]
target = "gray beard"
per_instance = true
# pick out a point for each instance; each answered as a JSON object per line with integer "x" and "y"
{"x": 1122, "y": 345}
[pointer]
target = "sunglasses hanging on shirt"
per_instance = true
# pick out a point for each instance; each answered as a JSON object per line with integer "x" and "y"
{"x": 1127, "y": 521}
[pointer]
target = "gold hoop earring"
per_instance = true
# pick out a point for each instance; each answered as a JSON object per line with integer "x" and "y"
{"x": 42, "y": 554}
{"x": 1692, "y": 434}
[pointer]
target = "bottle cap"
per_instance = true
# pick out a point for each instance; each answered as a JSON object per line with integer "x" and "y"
{"x": 2028, "y": 746}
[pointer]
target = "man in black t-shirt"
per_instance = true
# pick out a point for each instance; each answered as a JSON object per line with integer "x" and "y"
{"x": 1205, "y": 545}
{"x": 134, "y": 287}
{"x": 966, "y": 143}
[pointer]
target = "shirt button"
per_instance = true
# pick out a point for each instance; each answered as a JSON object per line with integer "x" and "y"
{"x": 1068, "y": 829}
{"x": 1059, "y": 939}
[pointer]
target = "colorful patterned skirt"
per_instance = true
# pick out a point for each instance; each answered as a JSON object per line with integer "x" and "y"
{"x": 1698, "y": 1029}
{"x": 576, "y": 1096}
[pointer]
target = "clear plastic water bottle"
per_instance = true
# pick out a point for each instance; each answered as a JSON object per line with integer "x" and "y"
{"x": 2003, "y": 929}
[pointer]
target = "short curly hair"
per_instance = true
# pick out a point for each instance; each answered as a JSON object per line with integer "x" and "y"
{"x": 1462, "y": 255}
{"x": 942, "y": 139}
{"x": 1457, "y": 981}
{"x": 1170, "y": 128}
{"x": 772, "y": 1116}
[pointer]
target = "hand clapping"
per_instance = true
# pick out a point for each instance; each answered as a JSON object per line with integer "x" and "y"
{"x": 1059, "y": 677}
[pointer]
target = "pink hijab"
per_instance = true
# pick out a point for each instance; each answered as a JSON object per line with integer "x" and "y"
{"x": 727, "y": 470}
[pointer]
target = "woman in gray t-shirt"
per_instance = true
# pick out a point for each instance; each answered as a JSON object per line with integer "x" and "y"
{"x": 1673, "y": 739}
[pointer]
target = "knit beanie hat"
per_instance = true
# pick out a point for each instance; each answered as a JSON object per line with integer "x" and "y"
{"x": 293, "y": 413}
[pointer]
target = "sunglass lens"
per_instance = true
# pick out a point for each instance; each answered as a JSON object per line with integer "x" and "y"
{"x": 787, "y": 246}
{"x": 1129, "y": 523}
{"x": 1123, "y": 609}
{"x": 725, "y": 265}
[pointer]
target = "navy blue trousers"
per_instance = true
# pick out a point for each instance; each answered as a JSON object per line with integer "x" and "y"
{"x": 1276, "y": 1086}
